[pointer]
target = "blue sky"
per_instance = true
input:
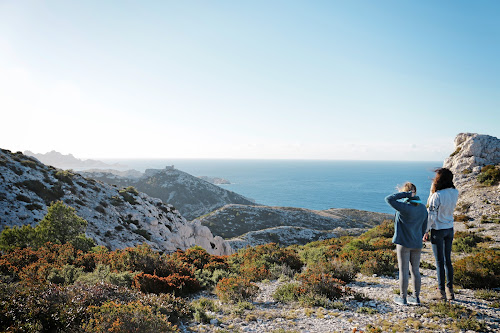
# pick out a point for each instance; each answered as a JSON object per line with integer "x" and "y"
{"x": 368, "y": 80}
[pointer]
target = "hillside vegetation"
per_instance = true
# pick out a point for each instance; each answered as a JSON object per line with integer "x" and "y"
{"x": 55, "y": 287}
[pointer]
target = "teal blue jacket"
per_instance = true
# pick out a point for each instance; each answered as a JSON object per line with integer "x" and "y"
{"x": 410, "y": 222}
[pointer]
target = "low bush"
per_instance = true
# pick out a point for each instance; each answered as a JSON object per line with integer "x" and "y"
{"x": 478, "y": 271}
{"x": 128, "y": 195}
{"x": 143, "y": 233}
{"x": 489, "y": 176}
{"x": 464, "y": 319}
{"x": 255, "y": 263}
{"x": 288, "y": 292}
{"x": 65, "y": 176}
{"x": 52, "y": 308}
{"x": 466, "y": 241}
{"x": 235, "y": 289}
{"x": 343, "y": 270}
{"x": 488, "y": 294}
{"x": 174, "y": 283}
{"x": 323, "y": 284}
{"x": 103, "y": 273}
{"x": 48, "y": 194}
{"x": 384, "y": 230}
{"x": 380, "y": 262}
{"x": 23, "y": 198}
{"x": 131, "y": 317}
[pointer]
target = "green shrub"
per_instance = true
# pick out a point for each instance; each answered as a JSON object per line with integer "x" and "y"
{"x": 490, "y": 219}
{"x": 131, "y": 317}
{"x": 17, "y": 237}
{"x": 456, "y": 151}
{"x": 487, "y": 294}
{"x": 47, "y": 194}
{"x": 366, "y": 310}
{"x": 65, "y": 176}
{"x": 490, "y": 175}
{"x": 143, "y": 233}
{"x": 66, "y": 275}
{"x": 83, "y": 243}
{"x": 100, "y": 209}
{"x": 60, "y": 225}
{"x": 426, "y": 265}
{"x": 464, "y": 319}
{"x": 205, "y": 304}
{"x": 23, "y": 198}
{"x": 256, "y": 262}
{"x": 288, "y": 292}
{"x": 34, "y": 206}
{"x": 103, "y": 274}
{"x": 466, "y": 242}
{"x": 384, "y": 230}
{"x": 116, "y": 201}
{"x": 29, "y": 164}
{"x": 478, "y": 271}
{"x": 128, "y": 194}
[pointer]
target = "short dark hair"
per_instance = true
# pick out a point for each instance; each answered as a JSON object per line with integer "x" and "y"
{"x": 442, "y": 180}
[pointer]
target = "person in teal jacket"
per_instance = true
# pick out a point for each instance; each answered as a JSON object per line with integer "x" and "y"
{"x": 410, "y": 225}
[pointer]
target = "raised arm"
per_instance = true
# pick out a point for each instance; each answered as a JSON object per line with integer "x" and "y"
{"x": 392, "y": 200}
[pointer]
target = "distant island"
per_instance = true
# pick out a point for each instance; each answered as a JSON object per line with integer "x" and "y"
{"x": 69, "y": 161}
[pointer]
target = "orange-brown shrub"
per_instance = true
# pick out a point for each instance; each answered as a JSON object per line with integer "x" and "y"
{"x": 234, "y": 289}
{"x": 174, "y": 283}
{"x": 323, "y": 284}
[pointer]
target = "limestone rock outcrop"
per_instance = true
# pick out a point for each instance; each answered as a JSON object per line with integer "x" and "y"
{"x": 476, "y": 202}
{"x": 473, "y": 151}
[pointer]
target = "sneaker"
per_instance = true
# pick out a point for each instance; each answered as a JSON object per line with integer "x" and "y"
{"x": 413, "y": 300}
{"x": 399, "y": 300}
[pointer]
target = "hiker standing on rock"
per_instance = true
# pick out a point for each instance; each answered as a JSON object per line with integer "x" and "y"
{"x": 441, "y": 204}
{"x": 410, "y": 224}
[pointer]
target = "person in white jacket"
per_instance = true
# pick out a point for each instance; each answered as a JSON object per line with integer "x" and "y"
{"x": 441, "y": 205}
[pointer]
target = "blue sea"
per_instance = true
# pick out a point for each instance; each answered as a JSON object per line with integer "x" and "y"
{"x": 308, "y": 184}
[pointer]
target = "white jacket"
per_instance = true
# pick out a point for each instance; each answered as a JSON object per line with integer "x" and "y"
{"x": 441, "y": 205}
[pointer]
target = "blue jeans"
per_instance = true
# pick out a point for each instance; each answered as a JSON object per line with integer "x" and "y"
{"x": 441, "y": 246}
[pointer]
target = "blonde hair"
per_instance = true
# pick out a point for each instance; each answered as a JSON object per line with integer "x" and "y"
{"x": 407, "y": 187}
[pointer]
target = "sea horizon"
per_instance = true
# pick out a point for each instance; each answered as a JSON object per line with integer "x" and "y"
{"x": 309, "y": 184}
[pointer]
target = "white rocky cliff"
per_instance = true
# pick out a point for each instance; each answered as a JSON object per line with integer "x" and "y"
{"x": 477, "y": 202}
{"x": 116, "y": 218}
{"x": 472, "y": 152}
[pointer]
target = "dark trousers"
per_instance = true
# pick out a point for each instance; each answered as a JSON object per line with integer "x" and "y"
{"x": 441, "y": 246}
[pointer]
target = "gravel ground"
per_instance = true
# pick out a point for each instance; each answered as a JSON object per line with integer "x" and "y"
{"x": 376, "y": 310}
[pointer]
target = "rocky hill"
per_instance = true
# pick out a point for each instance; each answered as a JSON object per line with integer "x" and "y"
{"x": 192, "y": 196}
{"x": 253, "y": 225}
{"x": 116, "y": 218}
{"x": 478, "y": 204}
